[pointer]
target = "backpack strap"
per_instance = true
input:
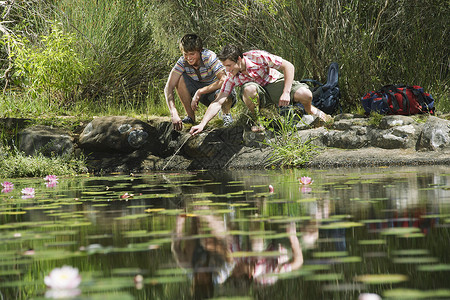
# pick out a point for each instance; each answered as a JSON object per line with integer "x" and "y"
{"x": 314, "y": 82}
{"x": 389, "y": 92}
{"x": 406, "y": 106}
{"x": 332, "y": 76}
{"x": 384, "y": 97}
{"x": 421, "y": 98}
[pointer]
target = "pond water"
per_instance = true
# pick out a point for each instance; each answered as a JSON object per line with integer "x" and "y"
{"x": 226, "y": 235}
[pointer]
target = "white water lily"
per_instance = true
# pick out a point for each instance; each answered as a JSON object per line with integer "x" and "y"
{"x": 65, "y": 278}
{"x": 62, "y": 294}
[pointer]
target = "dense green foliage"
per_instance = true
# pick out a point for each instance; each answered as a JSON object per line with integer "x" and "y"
{"x": 129, "y": 47}
{"x": 54, "y": 67}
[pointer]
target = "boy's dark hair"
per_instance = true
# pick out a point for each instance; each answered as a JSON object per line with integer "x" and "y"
{"x": 191, "y": 42}
{"x": 231, "y": 52}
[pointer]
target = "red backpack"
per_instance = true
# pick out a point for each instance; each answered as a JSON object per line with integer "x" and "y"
{"x": 398, "y": 100}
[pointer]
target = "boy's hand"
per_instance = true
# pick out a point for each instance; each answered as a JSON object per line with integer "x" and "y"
{"x": 285, "y": 99}
{"x": 196, "y": 129}
{"x": 177, "y": 123}
{"x": 195, "y": 100}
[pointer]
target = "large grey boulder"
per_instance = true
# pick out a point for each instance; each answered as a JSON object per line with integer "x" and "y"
{"x": 435, "y": 134}
{"x": 219, "y": 144}
{"x": 397, "y": 137}
{"x": 352, "y": 138}
{"x": 392, "y": 132}
{"x": 47, "y": 140}
{"x": 118, "y": 134}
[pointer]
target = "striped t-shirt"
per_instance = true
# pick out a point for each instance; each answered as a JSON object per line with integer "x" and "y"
{"x": 261, "y": 66}
{"x": 210, "y": 66}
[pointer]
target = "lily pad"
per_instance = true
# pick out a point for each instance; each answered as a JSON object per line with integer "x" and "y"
{"x": 416, "y": 294}
{"x": 381, "y": 278}
{"x": 415, "y": 260}
{"x": 96, "y": 193}
{"x": 330, "y": 254}
{"x": 338, "y": 225}
{"x": 372, "y": 242}
{"x": 434, "y": 268}
{"x": 411, "y": 252}
{"x": 400, "y": 231}
{"x": 170, "y": 272}
{"x": 108, "y": 284}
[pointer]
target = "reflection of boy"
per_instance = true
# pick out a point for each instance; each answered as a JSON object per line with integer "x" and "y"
{"x": 264, "y": 270}
{"x": 211, "y": 260}
{"x": 197, "y": 76}
{"x": 209, "y": 257}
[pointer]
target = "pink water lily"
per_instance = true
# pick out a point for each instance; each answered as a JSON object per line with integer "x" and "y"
{"x": 28, "y": 192}
{"x": 51, "y": 178}
{"x": 51, "y": 184}
{"x": 126, "y": 196}
{"x": 7, "y": 185}
{"x": 51, "y": 181}
{"x": 306, "y": 180}
{"x": 305, "y": 189}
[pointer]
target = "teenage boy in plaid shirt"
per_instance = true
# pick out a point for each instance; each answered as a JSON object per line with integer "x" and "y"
{"x": 197, "y": 76}
{"x": 257, "y": 73}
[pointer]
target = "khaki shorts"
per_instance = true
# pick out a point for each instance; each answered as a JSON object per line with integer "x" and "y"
{"x": 271, "y": 93}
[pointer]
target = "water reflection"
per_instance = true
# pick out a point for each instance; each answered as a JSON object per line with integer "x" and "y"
{"x": 225, "y": 234}
{"x": 212, "y": 255}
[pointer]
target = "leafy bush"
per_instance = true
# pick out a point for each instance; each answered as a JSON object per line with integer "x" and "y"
{"x": 53, "y": 68}
{"x": 118, "y": 36}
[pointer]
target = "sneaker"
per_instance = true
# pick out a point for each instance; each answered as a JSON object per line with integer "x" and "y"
{"x": 187, "y": 120}
{"x": 227, "y": 120}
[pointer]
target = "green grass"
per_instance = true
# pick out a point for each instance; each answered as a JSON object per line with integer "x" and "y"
{"x": 289, "y": 150}
{"x": 14, "y": 163}
{"x": 23, "y": 106}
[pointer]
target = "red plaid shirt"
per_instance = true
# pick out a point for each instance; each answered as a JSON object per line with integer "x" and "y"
{"x": 261, "y": 66}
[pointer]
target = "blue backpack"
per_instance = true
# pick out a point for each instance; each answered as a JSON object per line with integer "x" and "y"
{"x": 326, "y": 97}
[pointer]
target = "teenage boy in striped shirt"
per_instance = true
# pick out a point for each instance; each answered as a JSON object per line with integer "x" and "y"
{"x": 257, "y": 73}
{"x": 197, "y": 77}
